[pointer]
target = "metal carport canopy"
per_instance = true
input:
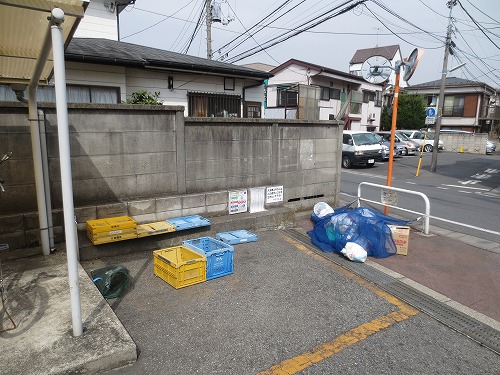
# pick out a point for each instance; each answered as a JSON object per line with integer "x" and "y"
{"x": 29, "y": 30}
{"x": 23, "y": 26}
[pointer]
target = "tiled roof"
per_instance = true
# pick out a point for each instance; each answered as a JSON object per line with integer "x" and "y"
{"x": 450, "y": 81}
{"x": 105, "y": 51}
{"x": 362, "y": 55}
{"x": 316, "y": 67}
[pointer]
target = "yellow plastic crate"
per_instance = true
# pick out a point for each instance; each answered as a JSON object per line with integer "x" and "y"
{"x": 152, "y": 229}
{"x": 112, "y": 238}
{"x": 110, "y": 224}
{"x": 180, "y": 266}
{"x": 118, "y": 232}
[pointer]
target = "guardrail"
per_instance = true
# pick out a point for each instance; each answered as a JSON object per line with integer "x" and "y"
{"x": 426, "y": 215}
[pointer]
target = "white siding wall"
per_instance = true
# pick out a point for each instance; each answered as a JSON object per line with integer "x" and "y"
{"x": 140, "y": 79}
{"x": 96, "y": 75}
{"x": 98, "y": 22}
{"x": 292, "y": 74}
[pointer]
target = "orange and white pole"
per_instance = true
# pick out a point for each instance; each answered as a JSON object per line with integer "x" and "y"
{"x": 393, "y": 130}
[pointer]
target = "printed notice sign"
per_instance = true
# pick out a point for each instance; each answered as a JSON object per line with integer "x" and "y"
{"x": 274, "y": 194}
{"x": 238, "y": 202}
{"x": 389, "y": 197}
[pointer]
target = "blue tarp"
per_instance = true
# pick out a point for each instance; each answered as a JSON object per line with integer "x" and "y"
{"x": 365, "y": 226}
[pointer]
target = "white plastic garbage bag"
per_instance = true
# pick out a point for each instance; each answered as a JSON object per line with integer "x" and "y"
{"x": 354, "y": 252}
{"x": 321, "y": 209}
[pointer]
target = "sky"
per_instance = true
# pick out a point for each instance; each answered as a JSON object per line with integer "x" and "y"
{"x": 249, "y": 26}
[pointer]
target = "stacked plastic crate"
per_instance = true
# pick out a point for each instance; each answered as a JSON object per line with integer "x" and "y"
{"x": 112, "y": 229}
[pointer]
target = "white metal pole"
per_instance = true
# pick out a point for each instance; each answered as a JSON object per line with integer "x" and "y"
{"x": 36, "y": 145}
{"x": 46, "y": 180}
{"x": 65, "y": 161}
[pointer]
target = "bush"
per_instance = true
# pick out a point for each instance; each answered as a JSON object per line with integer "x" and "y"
{"x": 145, "y": 97}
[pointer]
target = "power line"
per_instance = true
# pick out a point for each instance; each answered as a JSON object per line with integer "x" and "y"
{"x": 196, "y": 29}
{"x": 496, "y": 21}
{"x": 255, "y": 25}
{"x": 251, "y": 35}
{"x": 184, "y": 28}
{"x": 283, "y": 37}
{"x": 396, "y": 34}
{"x": 479, "y": 26}
{"x": 149, "y": 27}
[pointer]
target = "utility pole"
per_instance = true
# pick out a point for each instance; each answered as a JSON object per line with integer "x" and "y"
{"x": 208, "y": 8}
{"x": 447, "y": 47}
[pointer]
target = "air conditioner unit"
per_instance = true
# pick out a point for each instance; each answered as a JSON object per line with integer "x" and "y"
{"x": 371, "y": 117}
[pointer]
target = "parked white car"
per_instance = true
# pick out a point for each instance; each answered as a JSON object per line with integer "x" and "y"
{"x": 425, "y": 140}
{"x": 360, "y": 148}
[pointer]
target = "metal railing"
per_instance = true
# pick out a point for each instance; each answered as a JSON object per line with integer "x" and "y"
{"x": 426, "y": 214}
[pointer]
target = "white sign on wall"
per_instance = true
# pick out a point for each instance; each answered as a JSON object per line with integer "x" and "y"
{"x": 274, "y": 194}
{"x": 238, "y": 202}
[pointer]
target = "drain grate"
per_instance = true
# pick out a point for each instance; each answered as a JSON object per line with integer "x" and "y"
{"x": 456, "y": 320}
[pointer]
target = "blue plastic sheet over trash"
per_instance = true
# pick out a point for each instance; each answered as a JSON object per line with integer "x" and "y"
{"x": 364, "y": 226}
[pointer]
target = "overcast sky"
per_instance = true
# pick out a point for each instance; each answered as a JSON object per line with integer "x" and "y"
{"x": 170, "y": 25}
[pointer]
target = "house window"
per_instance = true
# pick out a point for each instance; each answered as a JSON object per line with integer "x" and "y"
{"x": 454, "y": 105}
{"x": 432, "y": 101}
{"x": 252, "y": 110}
{"x": 201, "y": 104}
{"x": 378, "y": 98}
{"x": 229, "y": 84}
{"x": 75, "y": 94}
{"x": 368, "y": 96}
{"x": 335, "y": 94}
{"x": 287, "y": 97}
{"x": 357, "y": 99}
{"x": 324, "y": 93}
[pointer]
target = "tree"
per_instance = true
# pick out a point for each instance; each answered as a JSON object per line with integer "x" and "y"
{"x": 145, "y": 97}
{"x": 411, "y": 113}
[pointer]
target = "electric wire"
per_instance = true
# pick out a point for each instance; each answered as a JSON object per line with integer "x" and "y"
{"x": 196, "y": 28}
{"x": 150, "y": 27}
{"x": 495, "y": 21}
{"x": 386, "y": 22}
{"x": 255, "y": 25}
{"x": 251, "y": 35}
{"x": 285, "y": 37}
{"x": 395, "y": 34}
{"x": 477, "y": 24}
{"x": 184, "y": 28}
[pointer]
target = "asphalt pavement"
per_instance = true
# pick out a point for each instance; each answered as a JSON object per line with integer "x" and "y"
{"x": 287, "y": 308}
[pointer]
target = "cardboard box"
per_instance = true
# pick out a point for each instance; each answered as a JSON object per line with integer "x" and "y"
{"x": 401, "y": 236}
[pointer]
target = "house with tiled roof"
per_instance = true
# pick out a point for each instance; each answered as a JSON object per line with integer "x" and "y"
{"x": 304, "y": 90}
{"x": 105, "y": 70}
{"x": 468, "y": 105}
{"x": 391, "y": 53}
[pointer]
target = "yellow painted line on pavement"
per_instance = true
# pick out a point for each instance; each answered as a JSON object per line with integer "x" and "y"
{"x": 353, "y": 336}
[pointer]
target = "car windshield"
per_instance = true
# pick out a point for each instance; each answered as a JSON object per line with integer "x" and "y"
{"x": 379, "y": 138}
{"x": 403, "y": 136}
{"x": 362, "y": 139}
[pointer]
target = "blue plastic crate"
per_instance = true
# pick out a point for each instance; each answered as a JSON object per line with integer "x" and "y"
{"x": 219, "y": 255}
{"x": 236, "y": 237}
{"x": 188, "y": 222}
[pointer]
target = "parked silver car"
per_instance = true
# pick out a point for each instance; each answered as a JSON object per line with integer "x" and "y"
{"x": 410, "y": 147}
{"x": 425, "y": 140}
{"x": 398, "y": 149}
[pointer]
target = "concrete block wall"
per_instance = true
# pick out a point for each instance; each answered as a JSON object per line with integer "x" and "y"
{"x": 151, "y": 163}
{"x": 468, "y": 143}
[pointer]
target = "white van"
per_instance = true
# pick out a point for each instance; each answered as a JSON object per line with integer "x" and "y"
{"x": 360, "y": 148}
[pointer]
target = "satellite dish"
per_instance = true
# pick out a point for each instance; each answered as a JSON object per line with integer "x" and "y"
{"x": 376, "y": 69}
{"x": 411, "y": 63}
